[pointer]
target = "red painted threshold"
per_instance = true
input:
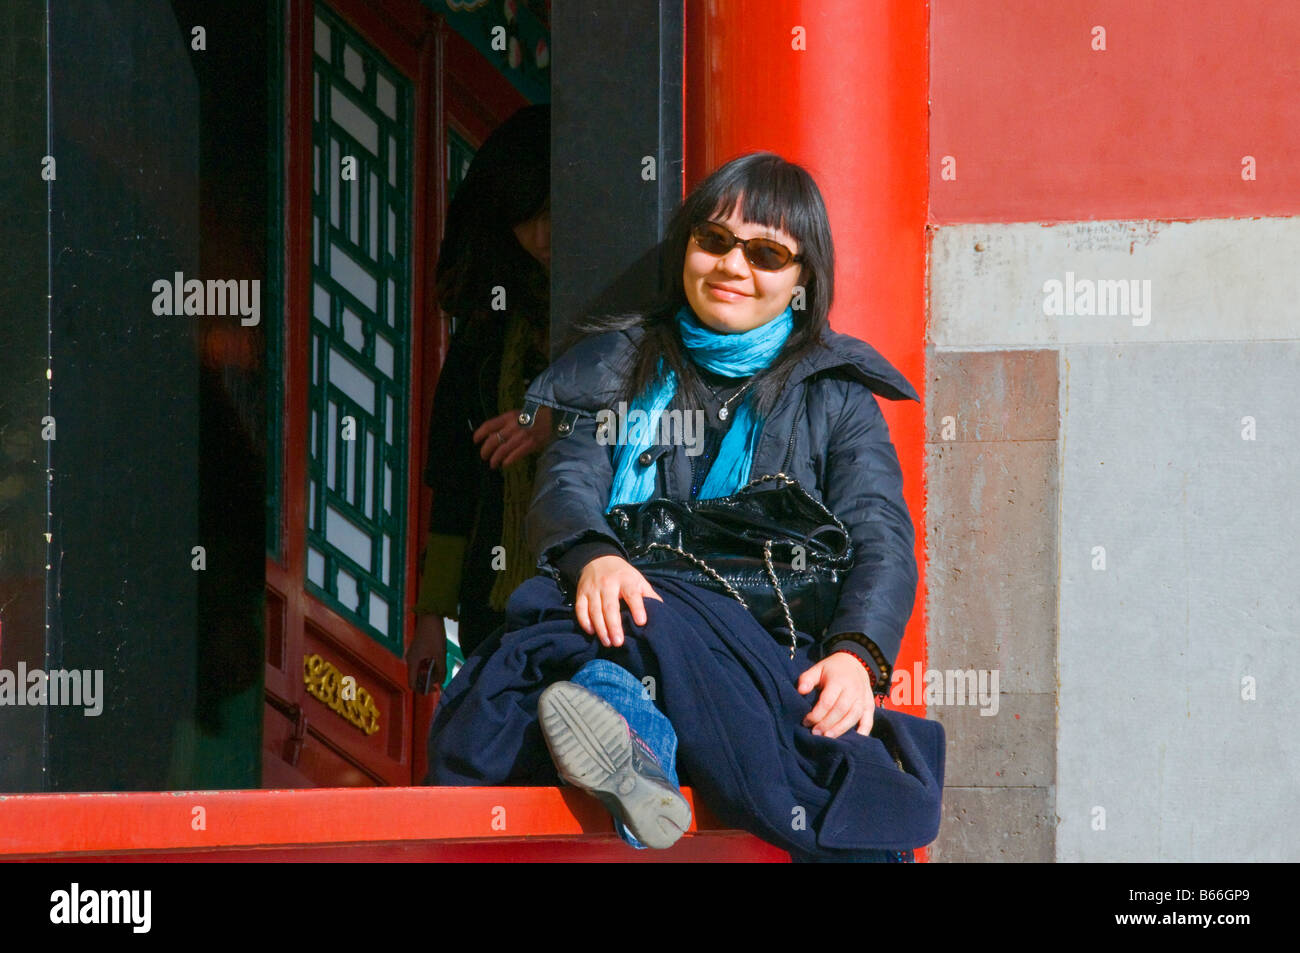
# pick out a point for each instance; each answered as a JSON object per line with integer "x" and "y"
{"x": 418, "y": 824}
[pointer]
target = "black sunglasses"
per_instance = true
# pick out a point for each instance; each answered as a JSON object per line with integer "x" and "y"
{"x": 762, "y": 253}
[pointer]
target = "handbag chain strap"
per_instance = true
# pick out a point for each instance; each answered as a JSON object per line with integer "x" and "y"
{"x": 767, "y": 554}
{"x": 771, "y": 574}
{"x": 703, "y": 565}
{"x": 785, "y": 479}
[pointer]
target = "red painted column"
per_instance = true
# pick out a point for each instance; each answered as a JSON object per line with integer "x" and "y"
{"x": 850, "y": 107}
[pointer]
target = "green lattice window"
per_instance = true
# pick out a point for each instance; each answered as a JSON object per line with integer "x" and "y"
{"x": 360, "y": 331}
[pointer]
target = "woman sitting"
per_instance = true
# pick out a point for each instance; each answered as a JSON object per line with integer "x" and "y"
{"x": 612, "y": 676}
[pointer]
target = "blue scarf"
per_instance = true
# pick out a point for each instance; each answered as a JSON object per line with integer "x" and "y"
{"x": 733, "y": 355}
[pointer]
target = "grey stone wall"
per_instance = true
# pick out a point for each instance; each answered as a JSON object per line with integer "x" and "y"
{"x": 1111, "y": 523}
{"x": 991, "y": 467}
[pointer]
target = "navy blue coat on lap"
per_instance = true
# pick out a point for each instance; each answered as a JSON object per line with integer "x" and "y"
{"x": 729, "y": 690}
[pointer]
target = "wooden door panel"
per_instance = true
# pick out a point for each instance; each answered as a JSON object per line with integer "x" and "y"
{"x": 344, "y": 545}
{"x": 346, "y": 693}
{"x": 309, "y": 761}
{"x": 357, "y": 91}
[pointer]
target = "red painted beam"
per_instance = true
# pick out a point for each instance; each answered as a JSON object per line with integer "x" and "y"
{"x": 415, "y": 824}
{"x": 721, "y": 847}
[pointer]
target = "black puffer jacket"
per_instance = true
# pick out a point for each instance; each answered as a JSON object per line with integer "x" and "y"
{"x": 826, "y": 431}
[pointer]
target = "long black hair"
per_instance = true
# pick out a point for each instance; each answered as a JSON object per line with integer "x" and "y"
{"x": 508, "y": 182}
{"x": 772, "y": 192}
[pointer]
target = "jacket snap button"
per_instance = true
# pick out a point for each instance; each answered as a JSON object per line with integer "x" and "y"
{"x": 563, "y": 428}
{"x": 646, "y": 459}
{"x": 525, "y": 420}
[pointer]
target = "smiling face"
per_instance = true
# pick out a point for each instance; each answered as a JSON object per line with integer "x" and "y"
{"x": 729, "y": 294}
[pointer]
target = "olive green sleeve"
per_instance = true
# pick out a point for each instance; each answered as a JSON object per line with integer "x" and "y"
{"x": 440, "y": 572}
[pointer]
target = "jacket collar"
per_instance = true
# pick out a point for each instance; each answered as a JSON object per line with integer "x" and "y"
{"x": 834, "y": 350}
{"x": 844, "y": 350}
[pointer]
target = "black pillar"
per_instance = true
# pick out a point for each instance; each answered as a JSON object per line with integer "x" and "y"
{"x": 24, "y": 278}
{"x": 154, "y": 433}
{"x": 616, "y": 97}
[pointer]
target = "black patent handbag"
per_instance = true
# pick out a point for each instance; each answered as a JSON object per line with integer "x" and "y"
{"x": 771, "y": 545}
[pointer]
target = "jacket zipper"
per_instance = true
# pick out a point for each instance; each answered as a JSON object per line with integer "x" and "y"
{"x": 789, "y": 449}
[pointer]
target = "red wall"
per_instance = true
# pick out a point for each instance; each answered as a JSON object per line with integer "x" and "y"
{"x": 1045, "y": 129}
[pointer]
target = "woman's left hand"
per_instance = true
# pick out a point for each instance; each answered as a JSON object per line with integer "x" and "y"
{"x": 845, "y": 698}
{"x": 504, "y": 441}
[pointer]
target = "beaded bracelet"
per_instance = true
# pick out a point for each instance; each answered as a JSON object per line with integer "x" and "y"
{"x": 885, "y": 669}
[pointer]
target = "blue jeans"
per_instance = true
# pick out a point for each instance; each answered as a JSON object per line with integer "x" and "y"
{"x": 629, "y": 697}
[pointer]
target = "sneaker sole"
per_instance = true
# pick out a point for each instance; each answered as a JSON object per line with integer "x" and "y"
{"x": 591, "y": 748}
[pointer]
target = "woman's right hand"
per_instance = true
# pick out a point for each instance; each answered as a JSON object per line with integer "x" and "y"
{"x": 604, "y": 582}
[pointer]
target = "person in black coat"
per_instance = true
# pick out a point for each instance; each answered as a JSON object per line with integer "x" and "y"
{"x": 766, "y": 730}
{"x": 493, "y": 274}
